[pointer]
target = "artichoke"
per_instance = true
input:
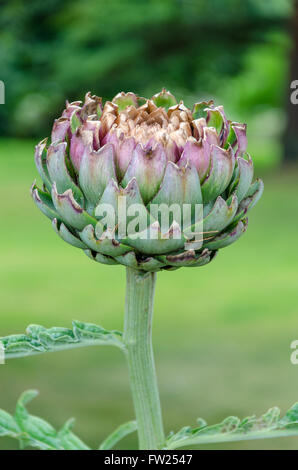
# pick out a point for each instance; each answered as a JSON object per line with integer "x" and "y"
{"x": 150, "y": 152}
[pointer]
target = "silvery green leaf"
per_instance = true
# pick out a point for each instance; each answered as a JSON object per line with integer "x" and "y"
{"x": 119, "y": 433}
{"x": 89, "y": 331}
{"x": 232, "y": 429}
{"x": 8, "y": 426}
{"x": 39, "y": 339}
{"x": 68, "y": 439}
{"x": 35, "y": 432}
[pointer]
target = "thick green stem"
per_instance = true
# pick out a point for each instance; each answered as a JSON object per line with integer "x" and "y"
{"x": 137, "y": 338}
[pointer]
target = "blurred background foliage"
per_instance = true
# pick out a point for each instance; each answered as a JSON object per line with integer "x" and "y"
{"x": 235, "y": 51}
{"x": 222, "y": 333}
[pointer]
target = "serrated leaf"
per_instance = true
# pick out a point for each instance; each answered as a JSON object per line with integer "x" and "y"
{"x": 36, "y": 432}
{"x": 91, "y": 331}
{"x": 68, "y": 439}
{"x": 232, "y": 429}
{"x": 39, "y": 339}
{"x": 116, "y": 436}
{"x": 8, "y": 426}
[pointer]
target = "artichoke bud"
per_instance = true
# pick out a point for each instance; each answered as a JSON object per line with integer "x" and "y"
{"x": 147, "y": 183}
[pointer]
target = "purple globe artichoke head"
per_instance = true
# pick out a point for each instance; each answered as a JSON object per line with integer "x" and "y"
{"x": 151, "y": 153}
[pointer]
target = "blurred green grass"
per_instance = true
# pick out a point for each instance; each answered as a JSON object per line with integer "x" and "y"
{"x": 222, "y": 333}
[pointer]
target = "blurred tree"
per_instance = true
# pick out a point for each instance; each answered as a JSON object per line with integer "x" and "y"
{"x": 291, "y": 133}
{"x": 55, "y": 50}
{"x": 27, "y": 38}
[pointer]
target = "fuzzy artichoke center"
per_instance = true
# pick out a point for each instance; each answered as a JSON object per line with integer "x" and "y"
{"x": 148, "y": 122}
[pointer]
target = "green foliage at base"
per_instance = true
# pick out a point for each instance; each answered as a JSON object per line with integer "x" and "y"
{"x": 231, "y": 429}
{"x": 32, "y": 431}
{"x": 35, "y": 432}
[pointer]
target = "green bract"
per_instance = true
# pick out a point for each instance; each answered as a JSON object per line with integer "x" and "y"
{"x": 153, "y": 152}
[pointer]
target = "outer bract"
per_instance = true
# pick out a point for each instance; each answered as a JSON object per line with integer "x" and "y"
{"x": 154, "y": 151}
